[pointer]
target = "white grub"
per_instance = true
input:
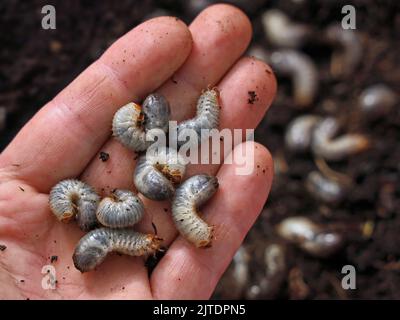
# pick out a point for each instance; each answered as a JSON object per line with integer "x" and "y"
{"x": 70, "y": 198}
{"x": 302, "y": 72}
{"x": 189, "y": 196}
{"x": 326, "y": 146}
{"x": 158, "y": 173}
{"x": 207, "y": 117}
{"x": 282, "y": 32}
{"x": 325, "y": 189}
{"x": 275, "y": 272}
{"x": 93, "y": 248}
{"x": 348, "y": 52}
{"x": 377, "y": 101}
{"x": 122, "y": 209}
{"x": 315, "y": 239}
{"x": 132, "y": 124}
{"x": 298, "y": 134}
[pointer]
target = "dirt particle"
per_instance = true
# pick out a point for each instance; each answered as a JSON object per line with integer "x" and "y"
{"x": 22, "y": 189}
{"x": 252, "y": 97}
{"x": 53, "y": 259}
{"x": 22, "y": 280}
{"x": 174, "y": 81}
{"x": 104, "y": 156}
{"x": 165, "y": 209}
{"x": 3, "y": 247}
{"x": 16, "y": 165}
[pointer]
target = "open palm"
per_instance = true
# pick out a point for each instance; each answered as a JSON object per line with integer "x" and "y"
{"x": 64, "y": 139}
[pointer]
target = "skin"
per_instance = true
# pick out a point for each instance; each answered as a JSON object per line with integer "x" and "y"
{"x": 206, "y": 53}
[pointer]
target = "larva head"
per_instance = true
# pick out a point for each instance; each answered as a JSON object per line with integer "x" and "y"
{"x": 154, "y": 244}
{"x": 156, "y": 112}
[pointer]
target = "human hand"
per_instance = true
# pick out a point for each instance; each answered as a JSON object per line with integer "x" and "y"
{"x": 64, "y": 138}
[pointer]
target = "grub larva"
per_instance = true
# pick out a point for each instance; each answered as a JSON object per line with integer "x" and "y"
{"x": 93, "y": 248}
{"x": 122, "y": 209}
{"x": 325, "y": 145}
{"x": 324, "y": 188}
{"x": 377, "y": 101}
{"x": 207, "y": 117}
{"x": 302, "y": 71}
{"x": 313, "y": 238}
{"x": 70, "y": 198}
{"x": 189, "y": 196}
{"x": 132, "y": 124}
{"x": 157, "y": 173}
{"x": 348, "y": 53}
{"x": 282, "y": 32}
{"x": 299, "y": 132}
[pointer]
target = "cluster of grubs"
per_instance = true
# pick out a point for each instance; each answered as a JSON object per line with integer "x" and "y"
{"x": 157, "y": 176}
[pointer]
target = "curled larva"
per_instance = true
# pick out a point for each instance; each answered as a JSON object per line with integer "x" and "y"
{"x": 189, "y": 196}
{"x": 377, "y": 101}
{"x": 302, "y": 71}
{"x": 325, "y": 145}
{"x": 93, "y": 248}
{"x": 207, "y": 117}
{"x": 282, "y": 32}
{"x": 122, "y": 209}
{"x": 348, "y": 53}
{"x": 157, "y": 173}
{"x": 313, "y": 238}
{"x": 132, "y": 124}
{"x": 324, "y": 188}
{"x": 299, "y": 133}
{"x": 70, "y": 198}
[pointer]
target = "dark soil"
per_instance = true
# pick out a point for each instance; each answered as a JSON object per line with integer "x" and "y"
{"x": 35, "y": 64}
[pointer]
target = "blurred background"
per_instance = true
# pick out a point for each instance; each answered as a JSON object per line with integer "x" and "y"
{"x": 333, "y": 130}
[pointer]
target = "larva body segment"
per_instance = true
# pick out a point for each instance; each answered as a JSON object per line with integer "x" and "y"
{"x": 122, "y": 209}
{"x": 302, "y": 71}
{"x": 207, "y": 117}
{"x": 132, "y": 124}
{"x": 377, "y": 101}
{"x": 325, "y": 189}
{"x": 189, "y": 196}
{"x": 93, "y": 248}
{"x": 157, "y": 173}
{"x": 299, "y": 133}
{"x": 313, "y": 238}
{"x": 325, "y": 145}
{"x": 70, "y": 198}
{"x": 282, "y": 32}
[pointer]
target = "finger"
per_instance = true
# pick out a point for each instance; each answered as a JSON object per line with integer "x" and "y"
{"x": 236, "y": 113}
{"x": 186, "y": 272}
{"x": 65, "y": 134}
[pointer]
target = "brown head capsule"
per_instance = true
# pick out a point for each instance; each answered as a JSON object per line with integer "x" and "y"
{"x": 348, "y": 53}
{"x": 325, "y": 145}
{"x": 190, "y": 195}
{"x": 325, "y": 189}
{"x": 302, "y": 71}
{"x": 207, "y": 117}
{"x": 313, "y": 238}
{"x": 70, "y": 198}
{"x": 282, "y": 32}
{"x": 377, "y": 101}
{"x": 93, "y": 248}
{"x": 122, "y": 209}
{"x": 135, "y": 126}
{"x": 158, "y": 173}
{"x": 299, "y": 133}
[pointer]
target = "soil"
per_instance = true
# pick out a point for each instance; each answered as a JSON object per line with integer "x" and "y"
{"x": 35, "y": 64}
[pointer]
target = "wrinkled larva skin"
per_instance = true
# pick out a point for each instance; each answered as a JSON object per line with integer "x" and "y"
{"x": 325, "y": 189}
{"x": 93, "y": 248}
{"x": 315, "y": 239}
{"x": 349, "y": 52}
{"x": 303, "y": 72}
{"x": 339, "y": 148}
{"x": 207, "y": 116}
{"x": 156, "y": 175}
{"x": 189, "y": 196}
{"x": 132, "y": 123}
{"x": 299, "y": 133}
{"x": 122, "y": 209}
{"x": 70, "y": 198}
{"x": 377, "y": 101}
{"x": 282, "y": 32}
